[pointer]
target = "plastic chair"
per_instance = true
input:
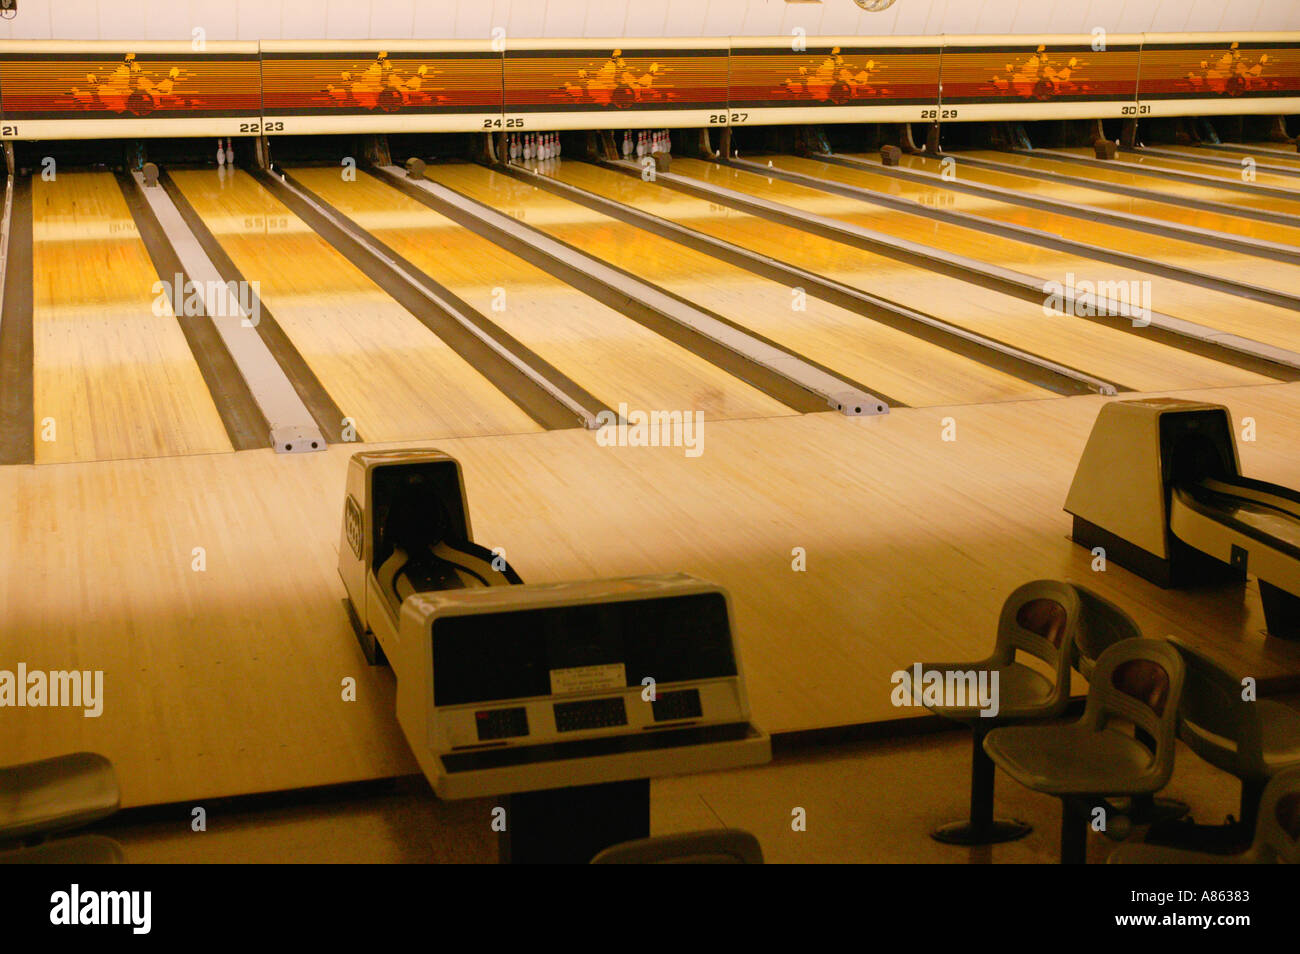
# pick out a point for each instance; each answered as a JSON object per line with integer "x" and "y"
{"x": 1138, "y": 681}
{"x": 721, "y": 846}
{"x": 67, "y": 791}
{"x": 1104, "y": 624}
{"x": 1039, "y": 618}
{"x": 1252, "y": 740}
{"x": 1277, "y": 835}
{"x": 81, "y": 850}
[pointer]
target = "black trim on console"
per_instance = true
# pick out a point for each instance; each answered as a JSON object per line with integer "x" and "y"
{"x": 457, "y": 762}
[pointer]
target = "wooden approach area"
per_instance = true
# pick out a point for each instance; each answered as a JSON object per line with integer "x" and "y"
{"x": 228, "y": 680}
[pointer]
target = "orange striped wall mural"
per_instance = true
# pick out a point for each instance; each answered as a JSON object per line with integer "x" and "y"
{"x": 50, "y": 89}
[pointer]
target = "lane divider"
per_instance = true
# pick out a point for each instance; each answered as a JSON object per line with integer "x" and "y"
{"x": 1225, "y": 241}
{"x": 1278, "y": 363}
{"x": 829, "y": 388}
{"x": 990, "y": 352}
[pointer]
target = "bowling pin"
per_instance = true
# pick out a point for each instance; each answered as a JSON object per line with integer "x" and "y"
{"x": 221, "y": 156}
{"x": 230, "y": 152}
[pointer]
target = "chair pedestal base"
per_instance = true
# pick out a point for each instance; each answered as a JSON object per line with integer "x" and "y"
{"x": 982, "y": 828}
{"x": 1164, "y": 809}
{"x": 993, "y": 832}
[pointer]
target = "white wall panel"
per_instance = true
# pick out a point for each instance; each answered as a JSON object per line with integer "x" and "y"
{"x": 762, "y": 18}
{"x": 73, "y": 19}
{"x": 910, "y": 19}
{"x": 474, "y": 20}
{"x": 1110, "y": 16}
{"x": 521, "y": 17}
{"x": 312, "y": 19}
{"x": 435, "y": 18}
{"x": 346, "y": 19}
{"x": 166, "y": 20}
{"x": 1278, "y": 15}
{"x": 1205, "y": 16}
{"x": 565, "y": 18}
{"x": 259, "y": 19}
{"x": 391, "y": 19}
{"x": 962, "y": 17}
{"x": 605, "y": 19}
{"x": 29, "y": 24}
{"x": 645, "y": 19}
{"x": 125, "y": 20}
{"x": 685, "y": 18}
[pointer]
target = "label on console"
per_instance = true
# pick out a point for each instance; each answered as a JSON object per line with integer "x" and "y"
{"x": 588, "y": 678}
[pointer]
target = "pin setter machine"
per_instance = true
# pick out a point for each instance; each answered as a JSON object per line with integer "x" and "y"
{"x": 567, "y": 697}
{"x": 1159, "y": 487}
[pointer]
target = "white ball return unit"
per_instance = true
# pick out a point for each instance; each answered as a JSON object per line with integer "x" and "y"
{"x": 566, "y": 697}
{"x": 1159, "y": 488}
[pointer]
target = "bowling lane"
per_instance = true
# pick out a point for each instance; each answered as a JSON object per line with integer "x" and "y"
{"x": 1221, "y": 311}
{"x": 113, "y": 376}
{"x": 1228, "y": 152}
{"x": 1154, "y": 184}
{"x": 612, "y": 356}
{"x": 1108, "y": 352}
{"x": 904, "y": 368}
{"x": 388, "y": 373}
{"x": 1081, "y": 195}
{"x": 1157, "y": 162}
{"x": 1243, "y": 316}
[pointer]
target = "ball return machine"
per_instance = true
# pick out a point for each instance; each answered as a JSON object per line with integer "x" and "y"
{"x": 567, "y": 698}
{"x": 1159, "y": 488}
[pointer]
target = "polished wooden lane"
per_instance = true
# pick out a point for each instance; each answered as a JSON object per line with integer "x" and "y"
{"x": 610, "y": 355}
{"x": 1109, "y": 352}
{"x": 1288, "y": 153}
{"x": 1085, "y": 197}
{"x": 1153, "y": 184}
{"x": 230, "y": 680}
{"x": 113, "y": 376}
{"x": 388, "y": 373}
{"x": 1230, "y": 152}
{"x": 1147, "y": 160}
{"x": 902, "y": 367}
{"x": 1221, "y": 310}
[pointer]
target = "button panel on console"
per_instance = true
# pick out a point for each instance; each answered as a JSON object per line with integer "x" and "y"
{"x": 501, "y": 723}
{"x": 590, "y": 714}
